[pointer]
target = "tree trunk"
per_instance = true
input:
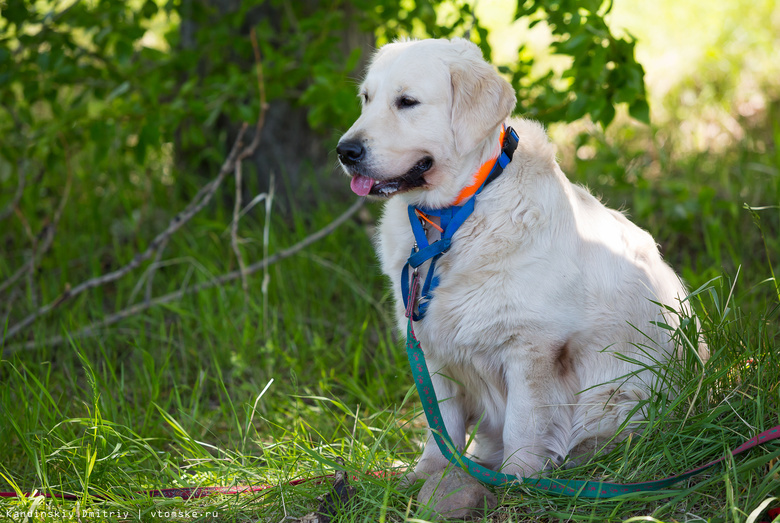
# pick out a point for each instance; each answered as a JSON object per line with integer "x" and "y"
{"x": 289, "y": 150}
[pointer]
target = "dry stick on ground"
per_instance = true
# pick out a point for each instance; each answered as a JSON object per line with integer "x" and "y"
{"x": 214, "y": 282}
{"x": 203, "y": 197}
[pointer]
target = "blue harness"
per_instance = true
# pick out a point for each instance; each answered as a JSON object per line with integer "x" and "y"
{"x": 451, "y": 218}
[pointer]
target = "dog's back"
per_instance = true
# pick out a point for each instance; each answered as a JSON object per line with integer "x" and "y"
{"x": 543, "y": 279}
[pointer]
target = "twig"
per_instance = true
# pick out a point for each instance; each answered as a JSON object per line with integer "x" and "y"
{"x": 257, "y": 199}
{"x": 199, "y": 202}
{"x": 234, "y": 236}
{"x": 214, "y": 282}
{"x": 202, "y": 198}
{"x": 154, "y": 266}
{"x": 467, "y": 34}
{"x": 266, "y": 244}
{"x": 25, "y": 225}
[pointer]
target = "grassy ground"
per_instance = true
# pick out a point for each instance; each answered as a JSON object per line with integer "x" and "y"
{"x": 224, "y": 388}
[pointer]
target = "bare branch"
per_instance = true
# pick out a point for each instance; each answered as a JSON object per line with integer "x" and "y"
{"x": 201, "y": 199}
{"x": 199, "y": 202}
{"x": 234, "y": 235}
{"x": 177, "y": 295}
{"x": 266, "y": 243}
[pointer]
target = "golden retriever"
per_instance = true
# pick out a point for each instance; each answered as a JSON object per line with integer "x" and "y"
{"x": 545, "y": 294}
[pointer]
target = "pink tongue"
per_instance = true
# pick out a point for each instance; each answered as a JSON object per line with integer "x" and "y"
{"x": 361, "y": 185}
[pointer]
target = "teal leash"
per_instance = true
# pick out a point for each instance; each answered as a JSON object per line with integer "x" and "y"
{"x": 566, "y": 487}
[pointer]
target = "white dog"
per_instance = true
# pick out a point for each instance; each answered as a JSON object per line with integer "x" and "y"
{"x": 543, "y": 287}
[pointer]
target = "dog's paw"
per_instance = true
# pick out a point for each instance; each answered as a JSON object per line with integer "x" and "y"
{"x": 528, "y": 465}
{"x": 552, "y": 463}
{"x": 411, "y": 478}
{"x": 424, "y": 470}
{"x": 454, "y": 494}
{"x": 414, "y": 476}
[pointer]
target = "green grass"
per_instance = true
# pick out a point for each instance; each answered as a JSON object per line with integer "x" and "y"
{"x": 222, "y": 389}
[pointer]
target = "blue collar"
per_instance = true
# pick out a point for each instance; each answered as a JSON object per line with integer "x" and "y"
{"x": 451, "y": 218}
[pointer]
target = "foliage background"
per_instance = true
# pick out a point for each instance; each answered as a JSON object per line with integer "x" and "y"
{"x": 114, "y": 114}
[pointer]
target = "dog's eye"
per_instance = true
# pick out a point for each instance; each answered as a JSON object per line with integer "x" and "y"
{"x": 402, "y": 102}
{"x": 364, "y": 97}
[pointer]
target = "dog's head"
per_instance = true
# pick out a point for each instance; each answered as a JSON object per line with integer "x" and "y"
{"x": 431, "y": 113}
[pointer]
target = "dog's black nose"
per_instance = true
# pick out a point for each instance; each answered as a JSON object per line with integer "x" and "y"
{"x": 350, "y": 152}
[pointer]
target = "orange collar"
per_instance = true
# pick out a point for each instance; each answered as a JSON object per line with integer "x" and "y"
{"x": 481, "y": 174}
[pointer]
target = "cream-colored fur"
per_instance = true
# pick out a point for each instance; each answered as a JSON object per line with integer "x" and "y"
{"x": 543, "y": 285}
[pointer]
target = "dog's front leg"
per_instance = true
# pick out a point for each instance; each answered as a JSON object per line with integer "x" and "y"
{"x": 538, "y": 416}
{"x": 432, "y": 460}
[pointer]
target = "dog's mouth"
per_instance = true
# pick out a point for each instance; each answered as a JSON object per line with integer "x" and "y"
{"x": 411, "y": 179}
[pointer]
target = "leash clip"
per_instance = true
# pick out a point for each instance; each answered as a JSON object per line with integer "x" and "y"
{"x": 416, "y": 248}
{"x": 411, "y": 301}
{"x": 411, "y": 297}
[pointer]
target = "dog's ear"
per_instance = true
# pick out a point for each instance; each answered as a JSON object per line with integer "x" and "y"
{"x": 481, "y": 98}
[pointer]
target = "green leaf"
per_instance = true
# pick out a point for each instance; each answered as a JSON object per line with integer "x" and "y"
{"x": 578, "y": 107}
{"x": 124, "y": 51}
{"x": 606, "y": 115}
{"x": 573, "y": 44}
{"x": 119, "y": 91}
{"x": 640, "y": 110}
{"x": 149, "y": 9}
{"x": 16, "y": 12}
